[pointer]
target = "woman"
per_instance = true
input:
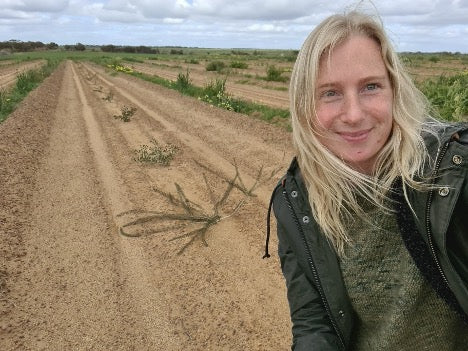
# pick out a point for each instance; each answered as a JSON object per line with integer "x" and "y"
{"x": 372, "y": 214}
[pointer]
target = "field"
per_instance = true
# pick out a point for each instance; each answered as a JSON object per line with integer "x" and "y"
{"x": 134, "y": 197}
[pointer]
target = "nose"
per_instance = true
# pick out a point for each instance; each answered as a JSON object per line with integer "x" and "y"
{"x": 353, "y": 112}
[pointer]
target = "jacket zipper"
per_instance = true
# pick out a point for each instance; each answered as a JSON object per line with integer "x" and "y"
{"x": 314, "y": 271}
{"x": 428, "y": 208}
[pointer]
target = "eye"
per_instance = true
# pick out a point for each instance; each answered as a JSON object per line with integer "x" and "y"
{"x": 371, "y": 86}
{"x": 329, "y": 93}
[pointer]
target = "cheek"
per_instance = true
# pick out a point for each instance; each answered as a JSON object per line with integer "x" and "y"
{"x": 387, "y": 123}
{"x": 387, "y": 108}
{"x": 325, "y": 117}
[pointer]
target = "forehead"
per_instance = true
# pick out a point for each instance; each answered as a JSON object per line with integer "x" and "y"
{"x": 357, "y": 55}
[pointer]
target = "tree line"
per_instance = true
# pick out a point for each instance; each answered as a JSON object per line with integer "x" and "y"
{"x": 24, "y": 46}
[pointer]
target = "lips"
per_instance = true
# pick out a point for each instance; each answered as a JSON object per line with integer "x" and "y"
{"x": 355, "y": 136}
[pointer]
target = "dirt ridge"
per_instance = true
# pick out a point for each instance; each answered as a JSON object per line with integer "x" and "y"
{"x": 73, "y": 281}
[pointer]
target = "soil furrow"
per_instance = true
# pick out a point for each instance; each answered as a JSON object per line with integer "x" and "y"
{"x": 9, "y": 74}
{"x": 146, "y": 299}
{"x": 80, "y": 284}
{"x": 203, "y": 130}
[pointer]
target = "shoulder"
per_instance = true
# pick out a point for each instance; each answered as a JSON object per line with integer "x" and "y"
{"x": 436, "y": 134}
{"x": 290, "y": 194}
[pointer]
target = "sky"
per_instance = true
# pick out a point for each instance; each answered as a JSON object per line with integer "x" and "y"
{"x": 413, "y": 25}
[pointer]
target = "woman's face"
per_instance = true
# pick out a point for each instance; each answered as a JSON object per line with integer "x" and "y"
{"x": 354, "y": 102}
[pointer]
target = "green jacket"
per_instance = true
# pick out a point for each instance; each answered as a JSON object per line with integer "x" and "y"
{"x": 320, "y": 309}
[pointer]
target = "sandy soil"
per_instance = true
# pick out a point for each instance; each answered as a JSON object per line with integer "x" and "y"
{"x": 9, "y": 72}
{"x": 69, "y": 277}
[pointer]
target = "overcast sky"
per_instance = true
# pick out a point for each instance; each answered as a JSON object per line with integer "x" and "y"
{"x": 414, "y": 25}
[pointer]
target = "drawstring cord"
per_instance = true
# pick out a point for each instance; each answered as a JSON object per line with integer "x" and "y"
{"x": 267, "y": 241}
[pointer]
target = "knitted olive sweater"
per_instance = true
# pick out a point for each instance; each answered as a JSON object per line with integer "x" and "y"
{"x": 396, "y": 308}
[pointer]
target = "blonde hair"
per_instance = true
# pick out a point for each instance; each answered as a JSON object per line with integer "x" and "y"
{"x": 333, "y": 186}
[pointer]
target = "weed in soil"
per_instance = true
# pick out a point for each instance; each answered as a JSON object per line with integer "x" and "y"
{"x": 126, "y": 113}
{"x": 260, "y": 178}
{"x": 109, "y": 96}
{"x": 155, "y": 153}
{"x": 189, "y": 212}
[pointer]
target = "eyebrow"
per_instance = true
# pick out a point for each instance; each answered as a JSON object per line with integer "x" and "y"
{"x": 365, "y": 79}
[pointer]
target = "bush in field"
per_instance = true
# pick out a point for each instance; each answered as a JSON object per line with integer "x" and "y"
{"x": 217, "y": 66}
{"x": 176, "y": 52}
{"x": 126, "y": 113}
{"x": 156, "y": 153}
{"x": 449, "y": 96}
{"x": 183, "y": 81}
{"x": 79, "y": 47}
{"x": 215, "y": 93}
{"x": 239, "y": 64}
{"x": 193, "y": 61}
{"x": 120, "y": 67}
{"x": 292, "y": 56}
{"x": 239, "y": 52}
{"x": 27, "y": 80}
{"x": 275, "y": 74}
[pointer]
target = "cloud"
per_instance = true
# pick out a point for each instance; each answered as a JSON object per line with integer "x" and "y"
{"x": 36, "y": 5}
{"x": 13, "y": 14}
{"x": 220, "y": 23}
{"x": 173, "y": 20}
{"x": 157, "y": 9}
{"x": 265, "y": 27}
{"x": 257, "y": 10}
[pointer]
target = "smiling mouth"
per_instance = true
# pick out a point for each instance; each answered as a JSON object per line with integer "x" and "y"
{"x": 355, "y": 136}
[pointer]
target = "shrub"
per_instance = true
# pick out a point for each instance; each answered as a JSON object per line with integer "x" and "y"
{"x": 183, "y": 80}
{"x": 26, "y": 81}
{"x": 126, "y": 113}
{"x": 176, "y": 52}
{"x": 215, "y": 93}
{"x": 217, "y": 66}
{"x": 239, "y": 52}
{"x": 119, "y": 67}
{"x": 239, "y": 64}
{"x": 274, "y": 74}
{"x": 448, "y": 95}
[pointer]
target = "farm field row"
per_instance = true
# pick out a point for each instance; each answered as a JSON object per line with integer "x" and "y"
{"x": 254, "y": 68}
{"x": 98, "y": 255}
{"x": 200, "y": 77}
{"x": 10, "y": 71}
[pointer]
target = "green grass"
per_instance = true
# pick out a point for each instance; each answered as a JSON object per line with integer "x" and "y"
{"x": 448, "y": 95}
{"x": 25, "y": 82}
